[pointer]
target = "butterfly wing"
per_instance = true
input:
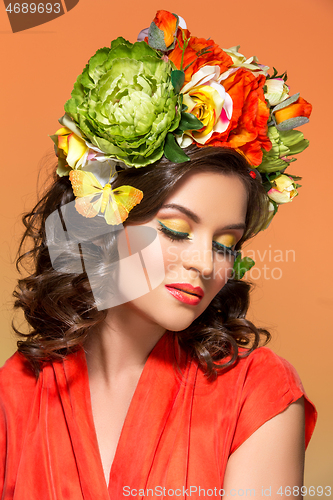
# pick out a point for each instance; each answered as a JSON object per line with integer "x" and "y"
{"x": 121, "y": 202}
{"x": 127, "y": 196}
{"x": 88, "y": 192}
{"x": 115, "y": 213}
{"x": 84, "y": 183}
{"x": 88, "y": 206}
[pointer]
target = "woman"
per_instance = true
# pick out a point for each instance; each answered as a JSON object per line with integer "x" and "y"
{"x": 165, "y": 392}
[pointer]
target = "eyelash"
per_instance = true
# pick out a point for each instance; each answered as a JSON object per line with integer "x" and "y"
{"x": 179, "y": 236}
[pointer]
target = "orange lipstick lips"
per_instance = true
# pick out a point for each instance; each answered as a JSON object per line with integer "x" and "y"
{"x": 186, "y": 293}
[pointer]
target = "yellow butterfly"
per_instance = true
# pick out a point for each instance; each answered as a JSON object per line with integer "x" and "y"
{"x": 92, "y": 198}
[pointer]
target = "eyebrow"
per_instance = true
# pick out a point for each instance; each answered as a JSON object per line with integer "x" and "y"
{"x": 191, "y": 215}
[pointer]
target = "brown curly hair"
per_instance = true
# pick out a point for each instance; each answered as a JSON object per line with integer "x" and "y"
{"x": 59, "y": 305}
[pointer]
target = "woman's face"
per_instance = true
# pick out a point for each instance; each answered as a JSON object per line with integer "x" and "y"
{"x": 198, "y": 225}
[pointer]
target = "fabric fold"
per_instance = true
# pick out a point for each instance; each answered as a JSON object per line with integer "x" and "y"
{"x": 178, "y": 434}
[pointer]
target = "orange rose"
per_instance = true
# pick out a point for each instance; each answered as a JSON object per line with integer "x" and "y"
{"x": 163, "y": 30}
{"x": 299, "y": 108}
{"x": 247, "y": 129}
{"x": 199, "y": 52}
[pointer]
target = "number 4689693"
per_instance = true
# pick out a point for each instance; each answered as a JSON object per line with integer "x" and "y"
{"x": 33, "y": 8}
{"x": 295, "y": 491}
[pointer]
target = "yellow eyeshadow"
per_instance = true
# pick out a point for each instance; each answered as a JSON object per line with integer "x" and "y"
{"x": 228, "y": 240}
{"x": 176, "y": 225}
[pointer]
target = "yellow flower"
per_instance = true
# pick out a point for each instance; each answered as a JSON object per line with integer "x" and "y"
{"x": 206, "y": 99}
{"x": 73, "y": 146}
{"x": 283, "y": 190}
{"x": 240, "y": 61}
{"x": 276, "y": 91}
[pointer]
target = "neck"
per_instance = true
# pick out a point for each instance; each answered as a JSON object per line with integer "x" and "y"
{"x": 120, "y": 345}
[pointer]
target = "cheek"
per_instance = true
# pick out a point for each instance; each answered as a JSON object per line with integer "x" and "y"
{"x": 220, "y": 277}
{"x": 141, "y": 266}
{"x": 171, "y": 255}
{"x": 222, "y": 274}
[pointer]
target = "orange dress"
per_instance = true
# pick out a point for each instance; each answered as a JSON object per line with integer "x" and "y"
{"x": 177, "y": 436}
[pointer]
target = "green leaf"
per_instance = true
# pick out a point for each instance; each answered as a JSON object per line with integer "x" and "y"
{"x": 173, "y": 151}
{"x": 292, "y": 123}
{"x": 275, "y": 75}
{"x": 286, "y": 102}
{"x": 156, "y": 38}
{"x": 275, "y": 205}
{"x": 274, "y": 175}
{"x": 267, "y": 186}
{"x": 241, "y": 266}
{"x": 298, "y": 148}
{"x": 295, "y": 177}
{"x": 189, "y": 122}
{"x": 177, "y": 79}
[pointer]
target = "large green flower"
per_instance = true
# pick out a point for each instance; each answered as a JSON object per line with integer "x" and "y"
{"x": 124, "y": 102}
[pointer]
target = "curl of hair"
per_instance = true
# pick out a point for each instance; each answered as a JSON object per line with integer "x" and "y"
{"x": 59, "y": 305}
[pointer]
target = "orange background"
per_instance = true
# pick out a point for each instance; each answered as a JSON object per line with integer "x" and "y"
{"x": 39, "y": 67}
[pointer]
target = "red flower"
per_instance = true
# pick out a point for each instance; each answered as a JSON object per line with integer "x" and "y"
{"x": 247, "y": 129}
{"x": 199, "y": 52}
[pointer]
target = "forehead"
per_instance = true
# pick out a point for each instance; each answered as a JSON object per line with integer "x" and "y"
{"x": 212, "y": 196}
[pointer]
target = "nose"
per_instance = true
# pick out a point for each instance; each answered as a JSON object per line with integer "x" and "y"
{"x": 199, "y": 256}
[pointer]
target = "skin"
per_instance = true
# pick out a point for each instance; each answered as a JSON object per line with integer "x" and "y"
{"x": 193, "y": 261}
{"x": 117, "y": 351}
{"x": 271, "y": 458}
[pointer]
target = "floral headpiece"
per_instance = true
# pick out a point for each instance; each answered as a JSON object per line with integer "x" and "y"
{"x": 134, "y": 103}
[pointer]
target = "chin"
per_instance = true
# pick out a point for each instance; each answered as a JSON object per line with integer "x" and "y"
{"x": 171, "y": 317}
{"x": 177, "y": 326}
{"x": 177, "y": 319}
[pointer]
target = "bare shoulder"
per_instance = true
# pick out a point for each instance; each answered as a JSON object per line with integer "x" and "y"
{"x": 273, "y": 456}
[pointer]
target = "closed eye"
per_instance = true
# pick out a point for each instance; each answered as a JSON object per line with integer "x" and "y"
{"x": 222, "y": 249}
{"x": 182, "y": 236}
{"x": 172, "y": 234}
